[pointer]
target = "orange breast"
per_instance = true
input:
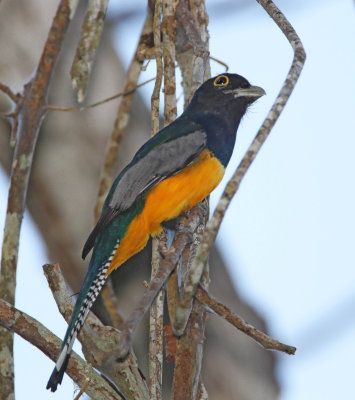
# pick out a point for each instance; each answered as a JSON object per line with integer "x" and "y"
{"x": 166, "y": 201}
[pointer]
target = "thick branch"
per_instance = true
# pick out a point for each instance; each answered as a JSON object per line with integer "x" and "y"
{"x": 234, "y": 183}
{"x": 34, "y": 332}
{"x": 31, "y": 115}
{"x": 99, "y": 342}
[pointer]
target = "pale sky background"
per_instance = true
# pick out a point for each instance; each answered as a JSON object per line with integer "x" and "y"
{"x": 288, "y": 237}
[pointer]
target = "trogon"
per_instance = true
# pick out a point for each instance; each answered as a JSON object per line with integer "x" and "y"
{"x": 169, "y": 174}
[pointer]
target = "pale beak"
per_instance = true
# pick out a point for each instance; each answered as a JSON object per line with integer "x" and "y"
{"x": 253, "y": 92}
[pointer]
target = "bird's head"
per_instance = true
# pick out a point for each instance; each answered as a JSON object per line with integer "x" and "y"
{"x": 226, "y": 93}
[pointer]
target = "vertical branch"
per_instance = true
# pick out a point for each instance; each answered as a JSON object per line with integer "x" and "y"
{"x": 156, "y": 329}
{"x": 192, "y": 55}
{"x": 89, "y": 41}
{"x": 234, "y": 183}
{"x": 157, "y": 307}
{"x": 168, "y": 30}
{"x": 31, "y": 116}
{"x": 155, "y": 99}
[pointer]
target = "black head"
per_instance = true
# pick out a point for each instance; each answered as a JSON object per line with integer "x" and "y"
{"x": 226, "y": 93}
{"x": 218, "y": 106}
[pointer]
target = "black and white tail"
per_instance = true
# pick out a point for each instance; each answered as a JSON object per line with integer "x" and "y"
{"x": 80, "y": 312}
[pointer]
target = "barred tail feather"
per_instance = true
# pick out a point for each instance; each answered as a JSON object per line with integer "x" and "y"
{"x": 82, "y": 307}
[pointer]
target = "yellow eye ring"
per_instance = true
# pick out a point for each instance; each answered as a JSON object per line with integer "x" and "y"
{"x": 221, "y": 80}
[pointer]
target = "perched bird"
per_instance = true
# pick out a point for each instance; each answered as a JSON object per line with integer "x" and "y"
{"x": 169, "y": 174}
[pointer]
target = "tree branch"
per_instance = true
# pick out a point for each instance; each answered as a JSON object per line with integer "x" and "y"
{"x": 234, "y": 183}
{"x": 220, "y": 309}
{"x": 31, "y": 116}
{"x": 99, "y": 342}
{"x": 183, "y": 237}
{"x": 37, "y": 334}
{"x": 91, "y": 31}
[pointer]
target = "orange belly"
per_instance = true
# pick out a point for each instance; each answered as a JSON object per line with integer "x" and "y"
{"x": 167, "y": 200}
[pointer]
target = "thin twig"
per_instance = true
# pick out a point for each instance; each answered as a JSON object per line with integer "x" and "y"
{"x": 98, "y": 103}
{"x": 82, "y": 389}
{"x": 38, "y": 335}
{"x": 9, "y": 92}
{"x": 91, "y": 31}
{"x": 266, "y": 341}
{"x": 234, "y": 183}
{"x": 31, "y": 115}
{"x": 220, "y": 62}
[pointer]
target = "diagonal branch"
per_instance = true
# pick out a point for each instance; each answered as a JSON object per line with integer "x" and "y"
{"x": 234, "y": 183}
{"x": 37, "y": 334}
{"x": 31, "y": 116}
{"x": 99, "y": 342}
{"x": 220, "y": 309}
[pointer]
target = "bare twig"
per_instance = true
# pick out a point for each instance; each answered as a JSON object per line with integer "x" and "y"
{"x": 220, "y": 62}
{"x": 234, "y": 183}
{"x": 99, "y": 342}
{"x": 32, "y": 114}
{"x": 82, "y": 389}
{"x": 91, "y": 31}
{"x": 9, "y": 92}
{"x": 266, "y": 341}
{"x": 98, "y": 103}
{"x": 38, "y": 335}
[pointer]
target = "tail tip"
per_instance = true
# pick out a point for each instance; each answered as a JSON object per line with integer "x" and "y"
{"x": 57, "y": 375}
{"x": 55, "y": 380}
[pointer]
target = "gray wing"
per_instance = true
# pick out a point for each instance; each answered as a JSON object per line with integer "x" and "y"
{"x": 159, "y": 163}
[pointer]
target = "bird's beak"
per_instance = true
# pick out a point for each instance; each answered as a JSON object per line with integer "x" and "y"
{"x": 252, "y": 92}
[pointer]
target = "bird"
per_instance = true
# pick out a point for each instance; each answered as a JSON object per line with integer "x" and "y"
{"x": 171, "y": 173}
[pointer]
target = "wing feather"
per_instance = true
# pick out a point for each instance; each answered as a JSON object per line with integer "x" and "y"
{"x": 161, "y": 162}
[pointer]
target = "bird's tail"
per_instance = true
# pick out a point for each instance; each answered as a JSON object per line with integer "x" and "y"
{"x": 90, "y": 290}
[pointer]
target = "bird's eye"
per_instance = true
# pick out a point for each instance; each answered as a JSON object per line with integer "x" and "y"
{"x": 221, "y": 80}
